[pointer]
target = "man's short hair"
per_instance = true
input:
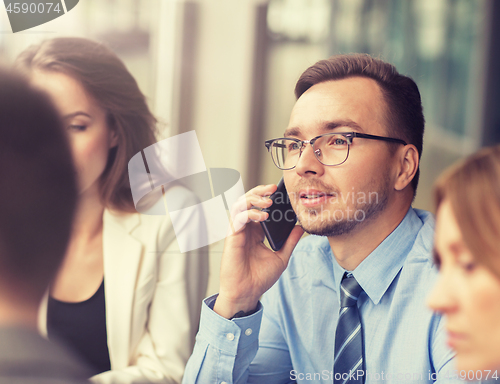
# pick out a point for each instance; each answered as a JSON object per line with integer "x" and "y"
{"x": 405, "y": 118}
{"x": 38, "y": 192}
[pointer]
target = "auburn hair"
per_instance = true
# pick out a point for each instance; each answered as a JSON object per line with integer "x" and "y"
{"x": 107, "y": 80}
{"x": 473, "y": 188}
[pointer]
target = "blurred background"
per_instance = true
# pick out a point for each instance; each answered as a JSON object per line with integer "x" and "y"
{"x": 227, "y": 68}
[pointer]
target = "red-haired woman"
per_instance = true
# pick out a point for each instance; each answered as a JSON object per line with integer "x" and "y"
{"x": 468, "y": 255}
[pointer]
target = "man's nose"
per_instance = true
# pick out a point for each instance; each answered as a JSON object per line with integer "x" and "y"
{"x": 308, "y": 163}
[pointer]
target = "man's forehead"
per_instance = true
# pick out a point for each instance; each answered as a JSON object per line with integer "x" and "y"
{"x": 328, "y": 126}
{"x": 354, "y": 103}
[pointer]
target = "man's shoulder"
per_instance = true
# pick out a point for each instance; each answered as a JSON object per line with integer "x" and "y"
{"x": 418, "y": 270}
{"x": 313, "y": 245}
{"x": 426, "y": 217}
{"x": 422, "y": 246}
{"x": 311, "y": 252}
{"x": 311, "y": 256}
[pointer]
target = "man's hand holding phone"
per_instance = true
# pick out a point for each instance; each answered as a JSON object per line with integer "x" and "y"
{"x": 248, "y": 267}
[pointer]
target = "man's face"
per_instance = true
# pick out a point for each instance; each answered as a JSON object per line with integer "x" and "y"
{"x": 334, "y": 200}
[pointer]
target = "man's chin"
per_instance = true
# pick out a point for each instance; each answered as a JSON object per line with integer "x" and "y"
{"x": 320, "y": 224}
{"x": 329, "y": 229}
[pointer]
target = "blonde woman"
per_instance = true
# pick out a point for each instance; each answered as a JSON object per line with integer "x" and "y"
{"x": 125, "y": 298}
{"x": 467, "y": 252}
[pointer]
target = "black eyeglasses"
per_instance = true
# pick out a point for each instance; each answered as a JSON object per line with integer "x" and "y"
{"x": 330, "y": 148}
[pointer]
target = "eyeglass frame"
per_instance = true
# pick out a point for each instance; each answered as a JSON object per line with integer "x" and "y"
{"x": 348, "y": 135}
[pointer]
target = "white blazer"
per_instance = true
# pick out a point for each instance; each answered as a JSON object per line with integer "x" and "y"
{"x": 153, "y": 298}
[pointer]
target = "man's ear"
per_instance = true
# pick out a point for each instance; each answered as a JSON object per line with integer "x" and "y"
{"x": 407, "y": 166}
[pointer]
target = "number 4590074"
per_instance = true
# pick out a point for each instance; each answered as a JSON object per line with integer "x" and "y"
{"x": 33, "y": 7}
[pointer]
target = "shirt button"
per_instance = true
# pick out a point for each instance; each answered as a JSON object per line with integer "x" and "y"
{"x": 248, "y": 332}
{"x": 230, "y": 337}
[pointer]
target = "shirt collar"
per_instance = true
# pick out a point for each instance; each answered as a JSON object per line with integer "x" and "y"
{"x": 377, "y": 271}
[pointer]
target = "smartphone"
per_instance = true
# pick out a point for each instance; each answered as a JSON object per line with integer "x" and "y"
{"x": 281, "y": 220}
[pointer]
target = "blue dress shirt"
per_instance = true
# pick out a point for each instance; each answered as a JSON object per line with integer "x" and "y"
{"x": 293, "y": 338}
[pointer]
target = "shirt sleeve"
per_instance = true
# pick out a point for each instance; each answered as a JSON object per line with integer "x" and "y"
{"x": 442, "y": 357}
{"x": 224, "y": 348}
{"x": 227, "y": 351}
{"x": 272, "y": 363}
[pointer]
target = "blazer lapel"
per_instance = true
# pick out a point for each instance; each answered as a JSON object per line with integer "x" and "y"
{"x": 122, "y": 256}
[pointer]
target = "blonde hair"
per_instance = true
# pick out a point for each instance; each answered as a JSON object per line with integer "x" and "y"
{"x": 473, "y": 188}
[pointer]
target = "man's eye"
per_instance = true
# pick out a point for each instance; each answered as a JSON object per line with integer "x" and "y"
{"x": 293, "y": 147}
{"x": 338, "y": 141}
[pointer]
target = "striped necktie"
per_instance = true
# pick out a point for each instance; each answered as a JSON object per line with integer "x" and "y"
{"x": 349, "y": 354}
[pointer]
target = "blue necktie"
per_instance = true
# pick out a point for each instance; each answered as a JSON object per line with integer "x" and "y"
{"x": 349, "y": 356}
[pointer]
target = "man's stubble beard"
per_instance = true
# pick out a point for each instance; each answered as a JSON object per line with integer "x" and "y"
{"x": 347, "y": 224}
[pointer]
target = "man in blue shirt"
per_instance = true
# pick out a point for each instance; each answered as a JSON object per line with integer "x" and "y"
{"x": 350, "y": 307}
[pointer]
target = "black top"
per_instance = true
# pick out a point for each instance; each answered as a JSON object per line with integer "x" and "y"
{"x": 82, "y": 327}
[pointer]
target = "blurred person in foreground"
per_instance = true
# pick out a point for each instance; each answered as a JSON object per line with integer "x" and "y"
{"x": 37, "y": 202}
{"x": 468, "y": 255}
{"x": 125, "y": 299}
{"x": 350, "y": 306}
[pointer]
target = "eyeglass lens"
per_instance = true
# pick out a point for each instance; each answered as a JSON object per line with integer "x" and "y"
{"x": 329, "y": 150}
